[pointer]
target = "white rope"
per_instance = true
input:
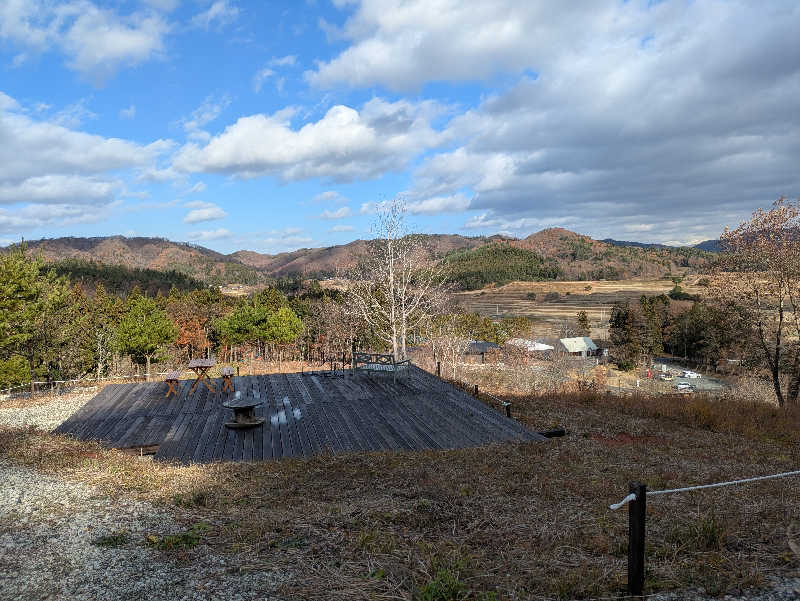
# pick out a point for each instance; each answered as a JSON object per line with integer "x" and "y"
{"x": 628, "y": 499}
{"x": 632, "y": 496}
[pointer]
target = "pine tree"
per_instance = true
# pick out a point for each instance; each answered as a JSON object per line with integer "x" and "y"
{"x": 144, "y": 330}
{"x": 584, "y": 327}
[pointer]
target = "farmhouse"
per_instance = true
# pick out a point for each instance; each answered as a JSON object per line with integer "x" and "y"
{"x": 581, "y": 346}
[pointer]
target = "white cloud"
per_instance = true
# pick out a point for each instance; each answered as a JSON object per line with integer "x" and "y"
{"x": 284, "y": 240}
{"x": 526, "y": 225}
{"x": 343, "y": 145}
{"x": 199, "y": 204}
{"x": 339, "y": 213}
{"x": 197, "y": 188}
{"x": 154, "y": 174}
{"x": 209, "y": 235}
{"x": 59, "y": 189}
{"x": 341, "y": 228}
{"x": 128, "y": 113}
{"x": 283, "y": 61}
{"x": 219, "y": 14}
{"x": 370, "y": 208}
{"x": 208, "y": 111}
{"x": 96, "y": 41}
{"x": 74, "y": 115}
{"x": 455, "y": 203}
{"x": 35, "y": 216}
{"x": 329, "y": 196}
{"x": 403, "y": 45}
{"x": 44, "y": 162}
{"x": 203, "y": 211}
{"x": 7, "y": 103}
{"x": 638, "y": 227}
{"x": 644, "y": 114}
{"x": 260, "y": 77}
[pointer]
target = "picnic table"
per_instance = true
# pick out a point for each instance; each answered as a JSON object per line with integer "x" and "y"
{"x": 243, "y": 412}
{"x": 201, "y": 368}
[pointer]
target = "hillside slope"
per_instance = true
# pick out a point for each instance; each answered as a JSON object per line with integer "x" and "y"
{"x": 582, "y": 258}
{"x": 330, "y": 260}
{"x": 556, "y": 252}
{"x": 196, "y": 262}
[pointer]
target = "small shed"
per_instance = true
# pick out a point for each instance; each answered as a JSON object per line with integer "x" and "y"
{"x": 580, "y": 346}
{"x": 478, "y": 348}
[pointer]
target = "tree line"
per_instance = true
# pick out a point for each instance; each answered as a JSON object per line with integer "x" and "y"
{"x": 53, "y": 328}
{"x": 751, "y": 315}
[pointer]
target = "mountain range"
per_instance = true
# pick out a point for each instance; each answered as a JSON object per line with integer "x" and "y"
{"x": 577, "y": 256}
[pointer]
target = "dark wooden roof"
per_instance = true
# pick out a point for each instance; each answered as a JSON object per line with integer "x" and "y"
{"x": 476, "y": 347}
{"x": 305, "y": 414}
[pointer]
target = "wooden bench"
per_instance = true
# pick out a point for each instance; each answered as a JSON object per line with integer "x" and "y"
{"x": 172, "y": 381}
{"x": 380, "y": 363}
{"x": 227, "y": 378}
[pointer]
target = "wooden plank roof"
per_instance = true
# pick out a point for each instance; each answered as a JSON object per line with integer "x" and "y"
{"x": 305, "y": 414}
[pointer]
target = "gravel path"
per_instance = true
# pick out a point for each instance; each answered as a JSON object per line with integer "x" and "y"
{"x": 47, "y": 416}
{"x": 48, "y": 548}
{"x": 787, "y": 589}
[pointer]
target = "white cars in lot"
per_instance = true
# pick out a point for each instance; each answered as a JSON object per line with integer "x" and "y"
{"x": 690, "y": 374}
{"x": 684, "y": 387}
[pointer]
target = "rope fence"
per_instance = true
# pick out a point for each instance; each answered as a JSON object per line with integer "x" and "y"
{"x": 637, "y": 515}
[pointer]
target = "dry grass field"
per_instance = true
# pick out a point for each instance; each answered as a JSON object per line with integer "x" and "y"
{"x": 530, "y": 299}
{"x": 510, "y": 522}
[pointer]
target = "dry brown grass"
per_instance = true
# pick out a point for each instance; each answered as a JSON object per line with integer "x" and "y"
{"x": 519, "y": 521}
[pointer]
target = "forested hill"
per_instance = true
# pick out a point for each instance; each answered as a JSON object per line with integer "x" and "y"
{"x": 475, "y": 261}
{"x": 327, "y": 261}
{"x": 158, "y": 254}
{"x": 582, "y": 258}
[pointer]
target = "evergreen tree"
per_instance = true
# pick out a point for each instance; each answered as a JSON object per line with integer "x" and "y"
{"x": 584, "y": 327}
{"x": 144, "y": 330}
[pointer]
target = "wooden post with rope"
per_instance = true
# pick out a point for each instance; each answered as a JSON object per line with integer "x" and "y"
{"x": 637, "y": 514}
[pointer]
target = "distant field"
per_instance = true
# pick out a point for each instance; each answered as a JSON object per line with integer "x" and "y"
{"x": 515, "y": 299}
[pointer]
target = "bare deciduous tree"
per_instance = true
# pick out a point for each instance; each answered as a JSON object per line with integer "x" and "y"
{"x": 760, "y": 280}
{"x": 396, "y": 288}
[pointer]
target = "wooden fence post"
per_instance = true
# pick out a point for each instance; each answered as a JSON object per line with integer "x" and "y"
{"x": 476, "y": 390}
{"x": 439, "y": 369}
{"x": 637, "y": 514}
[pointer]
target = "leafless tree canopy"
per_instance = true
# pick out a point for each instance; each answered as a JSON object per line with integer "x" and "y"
{"x": 760, "y": 280}
{"x": 396, "y": 289}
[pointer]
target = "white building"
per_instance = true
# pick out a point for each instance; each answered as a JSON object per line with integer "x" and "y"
{"x": 582, "y": 346}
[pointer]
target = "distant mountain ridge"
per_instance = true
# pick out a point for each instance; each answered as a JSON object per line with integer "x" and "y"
{"x": 576, "y": 256}
{"x": 707, "y": 245}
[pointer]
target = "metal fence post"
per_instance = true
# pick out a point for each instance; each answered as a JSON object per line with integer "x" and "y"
{"x": 637, "y": 514}
{"x": 439, "y": 369}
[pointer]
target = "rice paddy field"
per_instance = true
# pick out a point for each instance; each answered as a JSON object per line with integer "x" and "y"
{"x": 550, "y": 303}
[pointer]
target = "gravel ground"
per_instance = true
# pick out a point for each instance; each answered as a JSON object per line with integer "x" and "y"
{"x": 778, "y": 590}
{"x": 46, "y": 416}
{"x": 48, "y": 549}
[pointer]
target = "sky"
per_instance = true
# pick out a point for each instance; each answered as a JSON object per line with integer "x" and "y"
{"x": 271, "y": 126}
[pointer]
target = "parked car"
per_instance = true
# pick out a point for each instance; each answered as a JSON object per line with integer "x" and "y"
{"x": 684, "y": 386}
{"x": 666, "y": 377}
{"x": 690, "y": 374}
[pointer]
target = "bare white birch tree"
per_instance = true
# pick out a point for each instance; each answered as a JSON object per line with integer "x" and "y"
{"x": 397, "y": 287}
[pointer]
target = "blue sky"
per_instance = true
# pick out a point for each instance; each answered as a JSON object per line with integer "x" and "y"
{"x": 276, "y": 125}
